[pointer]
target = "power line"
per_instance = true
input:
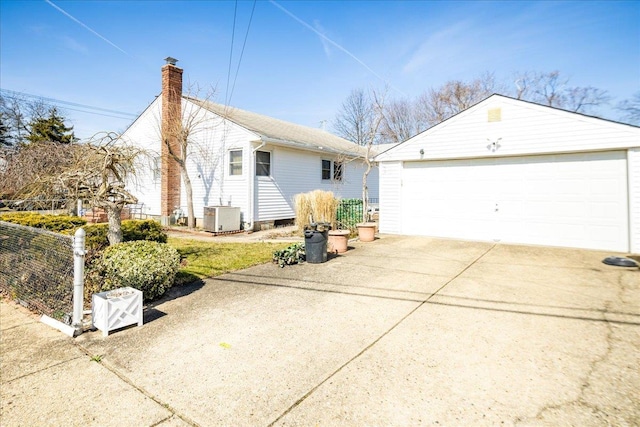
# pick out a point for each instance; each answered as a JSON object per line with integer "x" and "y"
{"x": 233, "y": 34}
{"x": 97, "y": 110}
{"x": 246, "y": 36}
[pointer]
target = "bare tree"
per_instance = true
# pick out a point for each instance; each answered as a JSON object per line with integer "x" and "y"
{"x": 630, "y": 108}
{"x": 359, "y": 120}
{"x": 400, "y": 122}
{"x": 95, "y": 171}
{"x": 548, "y": 88}
{"x": 187, "y": 133}
{"x": 355, "y": 117}
{"x": 437, "y": 105}
{"x": 25, "y": 169}
{"x": 377, "y": 100}
{"x": 584, "y": 99}
{"x": 552, "y": 89}
{"x": 99, "y": 172}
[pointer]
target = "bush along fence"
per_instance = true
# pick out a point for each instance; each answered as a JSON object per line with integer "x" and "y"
{"x": 43, "y": 271}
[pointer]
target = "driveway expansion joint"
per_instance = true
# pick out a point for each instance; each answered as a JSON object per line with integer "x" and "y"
{"x": 109, "y": 367}
{"x": 55, "y": 365}
{"x": 374, "y": 342}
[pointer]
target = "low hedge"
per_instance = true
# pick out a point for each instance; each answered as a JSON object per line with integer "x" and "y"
{"x": 96, "y": 234}
{"x": 148, "y": 266}
{"x": 57, "y": 223}
{"x": 150, "y": 230}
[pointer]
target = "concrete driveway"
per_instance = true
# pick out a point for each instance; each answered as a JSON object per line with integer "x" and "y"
{"x": 400, "y": 331}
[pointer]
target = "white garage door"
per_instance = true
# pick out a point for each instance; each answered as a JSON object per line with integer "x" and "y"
{"x": 574, "y": 200}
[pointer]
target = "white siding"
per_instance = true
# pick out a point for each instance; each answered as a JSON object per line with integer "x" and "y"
{"x": 390, "y": 197}
{"x": 297, "y": 171}
{"x": 633, "y": 159}
{"x": 209, "y": 169}
{"x": 292, "y": 171}
{"x": 523, "y": 129}
{"x": 145, "y": 133}
{"x": 207, "y": 161}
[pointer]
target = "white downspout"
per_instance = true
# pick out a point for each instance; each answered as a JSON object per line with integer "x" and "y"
{"x": 252, "y": 182}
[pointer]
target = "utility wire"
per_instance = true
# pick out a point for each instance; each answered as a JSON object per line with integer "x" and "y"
{"x": 97, "y": 110}
{"x": 246, "y": 36}
{"x": 233, "y": 34}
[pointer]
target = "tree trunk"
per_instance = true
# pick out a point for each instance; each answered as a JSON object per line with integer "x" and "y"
{"x": 115, "y": 224}
{"x": 365, "y": 189}
{"x": 191, "y": 218}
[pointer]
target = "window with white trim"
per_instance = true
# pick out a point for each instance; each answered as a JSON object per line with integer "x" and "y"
{"x": 326, "y": 169}
{"x": 263, "y": 163}
{"x": 235, "y": 162}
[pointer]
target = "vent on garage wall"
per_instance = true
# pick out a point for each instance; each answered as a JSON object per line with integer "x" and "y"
{"x": 494, "y": 115}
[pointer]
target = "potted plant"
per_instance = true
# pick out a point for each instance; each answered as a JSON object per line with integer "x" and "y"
{"x": 366, "y": 231}
{"x": 337, "y": 241}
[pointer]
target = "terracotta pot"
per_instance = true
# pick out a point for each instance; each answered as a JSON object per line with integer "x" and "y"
{"x": 366, "y": 231}
{"x": 338, "y": 240}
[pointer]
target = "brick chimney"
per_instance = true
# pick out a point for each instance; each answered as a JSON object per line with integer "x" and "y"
{"x": 170, "y": 128}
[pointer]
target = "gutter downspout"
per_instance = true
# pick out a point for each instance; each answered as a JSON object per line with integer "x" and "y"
{"x": 252, "y": 182}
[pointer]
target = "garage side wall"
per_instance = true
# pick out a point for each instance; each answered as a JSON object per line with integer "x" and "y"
{"x": 633, "y": 165}
{"x": 390, "y": 197}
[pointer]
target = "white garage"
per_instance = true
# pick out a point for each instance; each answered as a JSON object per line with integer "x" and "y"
{"x": 512, "y": 171}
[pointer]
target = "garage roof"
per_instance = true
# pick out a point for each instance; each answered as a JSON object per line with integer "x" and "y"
{"x": 503, "y": 126}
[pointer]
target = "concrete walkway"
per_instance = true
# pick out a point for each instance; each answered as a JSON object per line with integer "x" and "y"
{"x": 400, "y": 331}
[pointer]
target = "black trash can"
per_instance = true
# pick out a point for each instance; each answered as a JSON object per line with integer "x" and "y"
{"x": 315, "y": 244}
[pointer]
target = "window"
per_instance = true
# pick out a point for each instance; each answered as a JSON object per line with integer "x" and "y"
{"x": 235, "y": 162}
{"x": 337, "y": 171}
{"x": 331, "y": 170}
{"x": 156, "y": 167}
{"x": 263, "y": 163}
{"x": 326, "y": 169}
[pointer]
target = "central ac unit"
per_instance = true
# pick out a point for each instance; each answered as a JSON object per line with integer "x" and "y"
{"x": 221, "y": 219}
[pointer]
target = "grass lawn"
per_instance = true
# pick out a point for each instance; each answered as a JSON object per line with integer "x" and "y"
{"x": 209, "y": 259}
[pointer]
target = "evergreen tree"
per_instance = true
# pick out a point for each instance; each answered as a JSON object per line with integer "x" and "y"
{"x": 50, "y": 129}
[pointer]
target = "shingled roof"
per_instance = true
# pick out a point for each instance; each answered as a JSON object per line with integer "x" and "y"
{"x": 275, "y": 130}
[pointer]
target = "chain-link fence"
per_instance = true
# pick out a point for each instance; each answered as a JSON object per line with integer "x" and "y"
{"x": 36, "y": 269}
{"x": 37, "y": 205}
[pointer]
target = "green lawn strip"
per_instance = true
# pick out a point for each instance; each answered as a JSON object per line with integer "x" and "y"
{"x": 209, "y": 259}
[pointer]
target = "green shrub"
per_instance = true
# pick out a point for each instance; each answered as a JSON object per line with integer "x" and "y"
{"x": 292, "y": 254}
{"x": 147, "y": 229}
{"x": 148, "y": 266}
{"x": 57, "y": 223}
{"x": 96, "y": 234}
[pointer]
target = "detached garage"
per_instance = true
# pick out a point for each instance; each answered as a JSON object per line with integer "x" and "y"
{"x": 513, "y": 171}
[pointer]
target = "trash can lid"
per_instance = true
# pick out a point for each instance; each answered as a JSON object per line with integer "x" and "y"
{"x": 620, "y": 261}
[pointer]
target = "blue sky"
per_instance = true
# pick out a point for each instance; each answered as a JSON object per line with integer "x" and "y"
{"x": 302, "y": 59}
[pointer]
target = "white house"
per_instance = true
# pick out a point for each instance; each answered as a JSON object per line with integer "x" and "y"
{"x": 514, "y": 171}
{"x": 239, "y": 158}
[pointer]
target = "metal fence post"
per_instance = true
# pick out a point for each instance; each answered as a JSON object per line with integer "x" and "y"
{"x": 78, "y": 280}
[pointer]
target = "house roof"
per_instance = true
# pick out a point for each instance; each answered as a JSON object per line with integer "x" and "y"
{"x": 275, "y": 130}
